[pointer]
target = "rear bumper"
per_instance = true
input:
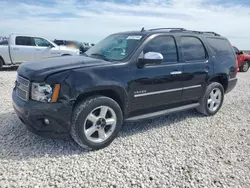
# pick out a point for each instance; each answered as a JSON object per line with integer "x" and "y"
{"x": 33, "y": 113}
{"x": 231, "y": 84}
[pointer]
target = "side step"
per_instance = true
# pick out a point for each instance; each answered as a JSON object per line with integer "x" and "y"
{"x": 163, "y": 112}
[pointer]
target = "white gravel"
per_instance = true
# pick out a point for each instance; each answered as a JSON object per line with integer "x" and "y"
{"x": 180, "y": 150}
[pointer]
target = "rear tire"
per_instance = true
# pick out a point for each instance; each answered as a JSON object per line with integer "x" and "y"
{"x": 212, "y": 100}
{"x": 245, "y": 66}
{"x": 96, "y": 122}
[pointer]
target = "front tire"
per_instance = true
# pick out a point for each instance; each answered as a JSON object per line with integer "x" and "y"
{"x": 96, "y": 122}
{"x": 244, "y": 67}
{"x": 212, "y": 100}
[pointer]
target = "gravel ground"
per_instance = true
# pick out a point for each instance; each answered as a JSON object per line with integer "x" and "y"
{"x": 179, "y": 150}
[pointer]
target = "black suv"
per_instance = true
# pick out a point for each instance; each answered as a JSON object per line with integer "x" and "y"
{"x": 127, "y": 76}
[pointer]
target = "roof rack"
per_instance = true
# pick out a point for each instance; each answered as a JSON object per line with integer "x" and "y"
{"x": 171, "y": 28}
{"x": 211, "y": 32}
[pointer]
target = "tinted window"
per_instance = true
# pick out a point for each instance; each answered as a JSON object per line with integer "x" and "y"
{"x": 116, "y": 47}
{"x": 219, "y": 45}
{"x": 59, "y": 42}
{"x": 192, "y": 49}
{"x": 164, "y": 45}
{"x": 4, "y": 42}
{"x": 25, "y": 41}
{"x": 41, "y": 42}
{"x": 236, "y": 50}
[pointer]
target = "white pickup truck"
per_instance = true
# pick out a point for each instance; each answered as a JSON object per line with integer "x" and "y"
{"x": 23, "y": 48}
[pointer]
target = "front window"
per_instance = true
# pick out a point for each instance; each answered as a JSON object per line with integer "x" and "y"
{"x": 42, "y": 42}
{"x": 115, "y": 47}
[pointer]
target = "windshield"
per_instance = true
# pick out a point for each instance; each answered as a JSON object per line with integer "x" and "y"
{"x": 115, "y": 47}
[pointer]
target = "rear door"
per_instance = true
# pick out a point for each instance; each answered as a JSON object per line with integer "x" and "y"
{"x": 196, "y": 67}
{"x": 23, "y": 50}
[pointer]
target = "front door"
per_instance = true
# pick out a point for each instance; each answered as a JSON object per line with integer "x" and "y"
{"x": 159, "y": 85}
{"x": 43, "y": 48}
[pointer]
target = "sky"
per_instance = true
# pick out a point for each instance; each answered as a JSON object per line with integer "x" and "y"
{"x": 92, "y": 20}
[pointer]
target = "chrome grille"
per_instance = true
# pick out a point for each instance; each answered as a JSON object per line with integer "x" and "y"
{"x": 22, "y": 88}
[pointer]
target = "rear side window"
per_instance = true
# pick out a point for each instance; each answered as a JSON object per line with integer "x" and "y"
{"x": 220, "y": 45}
{"x": 192, "y": 49}
{"x": 164, "y": 45}
{"x": 25, "y": 41}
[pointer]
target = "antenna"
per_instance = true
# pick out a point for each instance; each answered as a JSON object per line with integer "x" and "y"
{"x": 142, "y": 29}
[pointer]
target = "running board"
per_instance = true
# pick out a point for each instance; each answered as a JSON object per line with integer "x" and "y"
{"x": 163, "y": 112}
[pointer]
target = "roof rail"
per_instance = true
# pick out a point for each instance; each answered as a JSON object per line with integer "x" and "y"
{"x": 171, "y": 28}
{"x": 199, "y": 32}
{"x": 211, "y": 32}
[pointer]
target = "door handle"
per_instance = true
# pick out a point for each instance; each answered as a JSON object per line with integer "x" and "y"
{"x": 176, "y": 72}
{"x": 38, "y": 49}
{"x": 15, "y": 48}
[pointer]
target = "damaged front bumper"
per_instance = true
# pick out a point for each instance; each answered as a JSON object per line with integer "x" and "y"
{"x": 44, "y": 119}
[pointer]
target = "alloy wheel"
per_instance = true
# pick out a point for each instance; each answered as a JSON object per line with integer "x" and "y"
{"x": 245, "y": 67}
{"x": 214, "y": 99}
{"x": 100, "y": 124}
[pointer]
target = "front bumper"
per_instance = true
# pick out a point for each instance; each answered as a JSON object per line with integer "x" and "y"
{"x": 231, "y": 84}
{"x": 33, "y": 113}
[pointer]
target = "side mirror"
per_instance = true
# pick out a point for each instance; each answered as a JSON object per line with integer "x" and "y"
{"x": 241, "y": 52}
{"x": 150, "y": 58}
{"x": 50, "y": 46}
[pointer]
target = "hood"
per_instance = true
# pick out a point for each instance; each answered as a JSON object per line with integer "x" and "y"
{"x": 41, "y": 69}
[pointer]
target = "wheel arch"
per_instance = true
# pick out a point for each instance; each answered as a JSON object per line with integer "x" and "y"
{"x": 114, "y": 92}
{"x": 247, "y": 60}
{"x": 222, "y": 79}
{"x": 1, "y": 58}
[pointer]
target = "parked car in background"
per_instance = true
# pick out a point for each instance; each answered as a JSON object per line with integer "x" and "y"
{"x": 83, "y": 47}
{"x": 246, "y": 51}
{"x": 128, "y": 76}
{"x": 243, "y": 60}
{"x": 4, "y": 42}
{"x": 23, "y": 48}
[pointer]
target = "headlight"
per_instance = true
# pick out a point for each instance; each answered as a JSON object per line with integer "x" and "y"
{"x": 44, "y": 92}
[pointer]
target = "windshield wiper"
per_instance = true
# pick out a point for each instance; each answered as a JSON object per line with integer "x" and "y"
{"x": 101, "y": 56}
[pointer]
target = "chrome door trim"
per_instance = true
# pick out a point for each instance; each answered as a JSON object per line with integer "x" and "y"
{"x": 176, "y": 72}
{"x": 157, "y": 92}
{"x": 191, "y": 87}
{"x": 165, "y": 91}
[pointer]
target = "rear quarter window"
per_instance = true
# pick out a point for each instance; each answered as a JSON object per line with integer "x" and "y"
{"x": 222, "y": 50}
{"x": 219, "y": 45}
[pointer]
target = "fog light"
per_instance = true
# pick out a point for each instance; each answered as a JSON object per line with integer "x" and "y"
{"x": 46, "y": 121}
